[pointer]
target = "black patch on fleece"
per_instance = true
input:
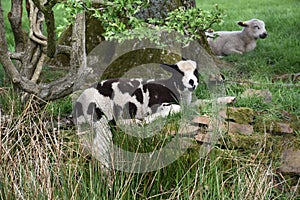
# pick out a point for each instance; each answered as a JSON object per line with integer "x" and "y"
{"x": 95, "y": 112}
{"x": 113, "y": 125}
{"x": 196, "y": 73}
{"x": 177, "y": 80}
{"x": 128, "y": 86}
{"x": 99, "y": 113}
{"x": 154, "y": 108}
{"x": 159, "y": 94}
{"x": 78, "y": 110}
{"x": 91, "y": 108}
{"x": 132, "y": 109}
{"x": 105, "y": 87}
{"x": 179, "y": 85}
{"x": 139, "y": 95}
{"x": 135, "y": 83}
{"x": 174, "y": 69}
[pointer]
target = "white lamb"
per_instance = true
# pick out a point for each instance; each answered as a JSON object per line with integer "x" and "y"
{"x": 138, "y": 100}
{"x": 225, "y": 43}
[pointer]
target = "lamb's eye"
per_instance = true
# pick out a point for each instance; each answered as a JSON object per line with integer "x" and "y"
{"x": 257, "y": 27}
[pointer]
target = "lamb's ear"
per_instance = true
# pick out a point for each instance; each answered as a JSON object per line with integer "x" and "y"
{"x": 243, "y": 24}
{"x": 171, "y": 68}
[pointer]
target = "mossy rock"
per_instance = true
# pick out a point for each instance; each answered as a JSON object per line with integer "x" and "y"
{"x": 276, "y": 127}
{"x": 295, "y": 123}
{"x": 290, "y": 162}
{"x": 269, "y": 126}
{"x": 241, "y": 115}
{"x": 243, "y": 142}
{"x": 253, "y": 143}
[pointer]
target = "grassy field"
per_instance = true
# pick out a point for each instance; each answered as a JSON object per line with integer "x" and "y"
{"x": 279, "y": 52}
{"x": 276, "y": 55}
{"x": 44, "y": 161}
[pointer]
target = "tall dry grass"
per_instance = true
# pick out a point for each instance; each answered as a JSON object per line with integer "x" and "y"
{"x": 34, "y": 150}
{"x": 40, "y": 159}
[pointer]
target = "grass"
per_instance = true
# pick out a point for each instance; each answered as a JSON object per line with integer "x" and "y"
{"x": 42, "y": 159}
{"x": 279, "y": 52}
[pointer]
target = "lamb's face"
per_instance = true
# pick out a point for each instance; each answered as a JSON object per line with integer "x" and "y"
{"x": 255, "y": 28}
{"x": 190, "y": 74}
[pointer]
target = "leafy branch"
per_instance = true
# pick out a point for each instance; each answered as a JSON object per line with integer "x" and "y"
{"x": 118, "y": 17}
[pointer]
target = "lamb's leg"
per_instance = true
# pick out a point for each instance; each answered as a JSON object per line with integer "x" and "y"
{"x": 102, "y": 141}
{"x": 129, "y": 122}
{"x": 232, "y": 51}
{"x": 236, "y": 51}
{"x": 96, "y": 139}
{"x": 228, "y": 49}
{"x": 163, "y": 111}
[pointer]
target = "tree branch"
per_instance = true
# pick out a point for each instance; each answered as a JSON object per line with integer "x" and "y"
{"x": 15, "y": 19}
{"x": 64, "y": 49}
{"x": 59, "y": 88}
{"x": 51, "y": 28}
{"x": 9, "y": 67}
{"x": 65, "y": 85}
{"x": 36, "y": 18}
{"x": 16, "y": 56}
{"x": 56, "y": 89}
{"x": 38, "y": 69}
{"x": 78, "y": 42}
{"x": 46, "y": 9}
{"x": 31, "y": 58}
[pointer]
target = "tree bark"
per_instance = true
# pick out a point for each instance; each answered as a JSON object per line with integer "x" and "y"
{"x": 15, "y": 19}
{"x": 8, "y": 65}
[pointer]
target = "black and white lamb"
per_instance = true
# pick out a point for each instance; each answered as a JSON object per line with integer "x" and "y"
{"x": 224, "y": 43}
{"x": 130, "y": 101}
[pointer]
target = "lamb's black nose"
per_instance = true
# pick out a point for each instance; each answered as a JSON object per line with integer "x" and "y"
{"x": 264, "y": 35}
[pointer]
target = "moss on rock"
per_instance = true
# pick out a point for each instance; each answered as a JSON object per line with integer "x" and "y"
{"x": 267, "y": 146}
{"x": 241, "y": 115}
{"x": 269, "y": 126}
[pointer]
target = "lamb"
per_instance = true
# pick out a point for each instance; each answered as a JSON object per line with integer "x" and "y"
{"x": 224, "y": 43}
{"x": 121, "y": 100}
